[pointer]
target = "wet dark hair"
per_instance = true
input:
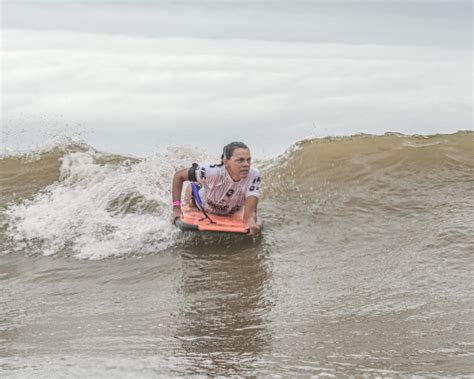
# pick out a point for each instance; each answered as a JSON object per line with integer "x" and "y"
{"x": 228, "y": 150}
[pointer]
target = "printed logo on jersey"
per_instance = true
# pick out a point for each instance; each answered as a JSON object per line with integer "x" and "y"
{"x": 255, "y": 184}
{"x": 202, "y": 173}
{"x": 229, "y": 192}
{"x": 217, "y": 207}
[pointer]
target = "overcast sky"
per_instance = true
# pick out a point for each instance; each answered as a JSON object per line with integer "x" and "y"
{"x": 432, "y": 23}
{"x": 137, "y": 76}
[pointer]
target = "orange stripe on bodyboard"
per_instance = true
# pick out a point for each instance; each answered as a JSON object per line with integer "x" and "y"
{"x": 232, "y": 223}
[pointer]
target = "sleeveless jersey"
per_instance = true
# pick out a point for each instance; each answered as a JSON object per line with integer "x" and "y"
{"x": 220, "y": 194}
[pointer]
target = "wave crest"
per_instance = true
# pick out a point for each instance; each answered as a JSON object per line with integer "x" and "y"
{"x": 75, "y": 200}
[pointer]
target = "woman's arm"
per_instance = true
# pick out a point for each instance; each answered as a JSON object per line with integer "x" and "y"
{"x": 250, "y": 214}
{"x": 177, "y": 187}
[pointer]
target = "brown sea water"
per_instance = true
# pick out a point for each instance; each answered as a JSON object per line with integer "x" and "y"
{"x": 364, "y": 266}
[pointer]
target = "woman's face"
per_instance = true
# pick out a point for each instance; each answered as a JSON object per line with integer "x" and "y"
{"x": 238, "y": 165}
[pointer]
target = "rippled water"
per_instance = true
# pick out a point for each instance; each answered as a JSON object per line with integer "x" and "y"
{"x": 364, "y": 266}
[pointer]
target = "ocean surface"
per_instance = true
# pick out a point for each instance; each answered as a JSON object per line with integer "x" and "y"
{"x": 364, "y": 266}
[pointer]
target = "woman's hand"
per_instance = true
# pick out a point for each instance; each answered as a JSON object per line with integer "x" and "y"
{"x": 254, "y": 228}
{"x": 177, "y": 213}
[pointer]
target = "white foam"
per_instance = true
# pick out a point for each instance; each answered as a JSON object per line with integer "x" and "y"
{"x": 98, "y": 211}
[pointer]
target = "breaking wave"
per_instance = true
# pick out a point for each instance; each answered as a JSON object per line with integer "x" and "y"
{"x": 74, "y": 200}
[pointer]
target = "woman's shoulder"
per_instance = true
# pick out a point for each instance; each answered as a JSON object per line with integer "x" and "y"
{"x": 254, "y": 172}
{"x": 210, "y": 170}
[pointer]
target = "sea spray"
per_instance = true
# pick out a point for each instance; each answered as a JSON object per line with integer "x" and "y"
{"x": 98, "y": 211}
